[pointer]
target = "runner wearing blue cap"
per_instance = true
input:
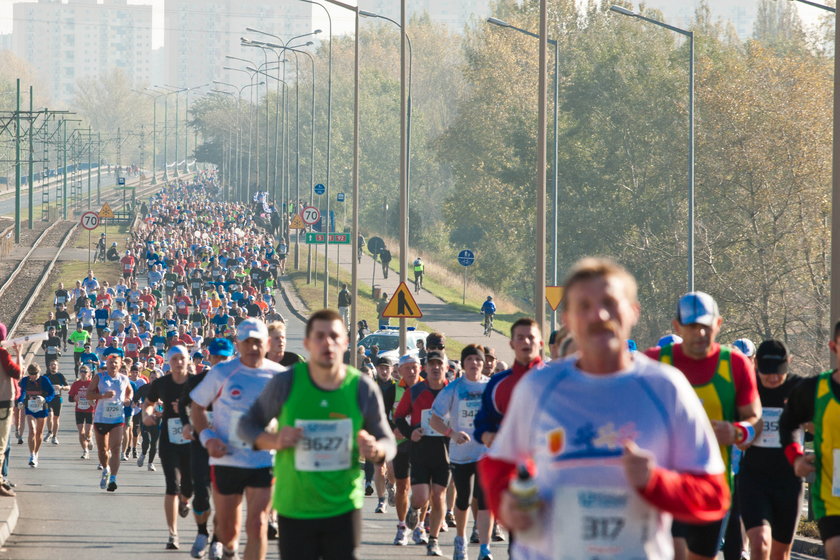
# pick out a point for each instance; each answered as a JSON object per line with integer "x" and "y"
{"x": 726, "y": 384}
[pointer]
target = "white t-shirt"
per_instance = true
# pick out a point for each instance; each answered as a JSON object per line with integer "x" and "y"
{"x": 573, "y": 425}
{"x": 232, "y": 388}
{"x": 460, "y": 401}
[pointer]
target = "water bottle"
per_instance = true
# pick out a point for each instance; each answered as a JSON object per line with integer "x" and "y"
{"x": 524, "y": 490}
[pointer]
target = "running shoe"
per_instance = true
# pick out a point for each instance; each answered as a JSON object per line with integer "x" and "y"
{"x": 103, "y": 480}
{"x": 99, "y": 467}
{"x": 134, "y": 453}
{"x": 369, "y": 490}
{"x": 401, "y": 538}
{"x": 34, "y": 462}
{"x": 85, "y": 454}
{"x": 498, "y": 536}
{"x": 112, "y": 486}
{"x": 151, "y": 466}
{"x": 172, "y": 543}
{"x": 141, "y": 459}
{"x": 487, "y": 556}
{"x": 392, "y": 494}
{"x": 47, "y": 436}
{"x": 460, "y": 549}
{"x": 412, "y": 518}
{"x": 199, "y": 546}
{"x": 216, "y": 551}
{"x": 6, "y": 491}
{"x": 381, "y": 507}
{"x": 183, "y": 509}
{"x": 123, "y": 457}
{"x": 54, "y": 440}
{"x": 419, "y": 536}
{"x": 474, "y": 535}
{"x": 450, "y": 519}
{"x": 433, "y": 548}
{"x": 273, "y": 530}
{"x": 20, "y": 440}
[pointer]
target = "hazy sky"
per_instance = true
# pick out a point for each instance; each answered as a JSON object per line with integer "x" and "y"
{"x": 685, "y": 6}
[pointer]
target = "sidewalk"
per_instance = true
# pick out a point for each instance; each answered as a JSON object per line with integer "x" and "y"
{"x": 437, "y": 314}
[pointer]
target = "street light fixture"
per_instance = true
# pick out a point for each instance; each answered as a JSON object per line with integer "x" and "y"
{"x": 820, "y": 6}
{"x": 555, "y": 185}
{"x": 690, "y": 34}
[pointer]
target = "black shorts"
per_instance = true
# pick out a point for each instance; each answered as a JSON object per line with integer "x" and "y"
{"x": 234, "y": 480}
{"x": 55, "y": 406}
{"x": 84, "y": 417}
{"x": 177, "y": 473}
{"x": 703, "y": 539}
{"x": 103, "y": 429}
{"x": 829, "y": 527}
{"x": 402, "y": 460}
{"x": 429, "y": 465}
{"x": 467, "y": 485}
{"x": 768, "y": 500}
{"x": 329, "y": 538}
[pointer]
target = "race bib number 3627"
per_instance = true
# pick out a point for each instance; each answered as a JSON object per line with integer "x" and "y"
{"x": 326, "y": 445}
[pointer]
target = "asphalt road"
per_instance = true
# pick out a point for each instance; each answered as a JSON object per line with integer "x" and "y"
{"x": 65, "y": 516}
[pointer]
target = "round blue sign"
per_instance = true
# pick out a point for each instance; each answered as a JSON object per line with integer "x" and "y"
{"x": 320, "y": 189}
{"x": 340, "y": 197}
{"x": 466, "y": 257}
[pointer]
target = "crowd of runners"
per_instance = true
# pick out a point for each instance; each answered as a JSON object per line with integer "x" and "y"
{"x": 600, "y": 450}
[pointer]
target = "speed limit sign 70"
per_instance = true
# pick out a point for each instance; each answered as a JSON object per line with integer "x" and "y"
{"x": 310, "y": 215}
{"x": 90, "y": 220}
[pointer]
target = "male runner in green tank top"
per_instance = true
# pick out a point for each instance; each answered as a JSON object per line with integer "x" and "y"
{"x": 329, "y": 415}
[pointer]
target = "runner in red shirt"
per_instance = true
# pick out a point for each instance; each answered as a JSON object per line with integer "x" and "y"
{"x": 132, "y": 344}
{"x": 84, "y": 409}
{"x": 182, "y": 305}
{"x": 128, "y": 263}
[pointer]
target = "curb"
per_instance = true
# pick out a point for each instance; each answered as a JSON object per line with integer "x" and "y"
{"x": 808, "y": 547}
{"x": 9, "y": 515}
{"x": 289, "y": 303}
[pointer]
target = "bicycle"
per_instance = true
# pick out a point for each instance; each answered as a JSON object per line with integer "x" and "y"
{"x": 488, "y": 324}
{"x": 418, "y": 282}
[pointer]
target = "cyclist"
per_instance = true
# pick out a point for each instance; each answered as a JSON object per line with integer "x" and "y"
{"x": 488, "y": 309}
{"x": 418, "y": 274}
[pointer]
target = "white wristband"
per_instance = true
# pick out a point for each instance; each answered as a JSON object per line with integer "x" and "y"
{"x": 207, "y": 434}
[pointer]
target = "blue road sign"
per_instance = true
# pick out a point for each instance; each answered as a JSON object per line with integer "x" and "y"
{"x": 320, "y": 189}
{"x": 466, "y": 257}
{"x": 340, "y": 197}
{"x": 121, "y": 181}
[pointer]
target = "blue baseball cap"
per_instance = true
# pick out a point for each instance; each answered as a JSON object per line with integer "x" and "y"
{"x": 669, "y": 339}
{"x": 746, "y": 346}
{"x": 220, "y": 347}
{"x": 697, "y": 308}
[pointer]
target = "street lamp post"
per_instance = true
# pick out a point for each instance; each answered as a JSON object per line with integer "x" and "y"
{"x": 690, "y": 35}
{"x": 406, "y": 212}
{"x": 355, "y": 228}
{"x": 555, "y": 185}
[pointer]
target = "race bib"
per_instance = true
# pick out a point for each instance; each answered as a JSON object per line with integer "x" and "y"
{"x": 83, "y": 403}
{"x": 602, "y": 523}
{"x": 835, "y": 475}
{"x": 326, "y": 445}
{"x": 425, "y": 423}
{"x": 770, "y": 433}
{"x": 33, "y": 404}
{"x": 112, "y": 410}
{"x": 467, "y": 409}
{"x": 175, "y": 429}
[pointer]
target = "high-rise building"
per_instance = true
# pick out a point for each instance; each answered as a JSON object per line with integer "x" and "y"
{"x": 453, "y": 14}
{"x": 200, "y": 34}
{"x": 82, "y": 39}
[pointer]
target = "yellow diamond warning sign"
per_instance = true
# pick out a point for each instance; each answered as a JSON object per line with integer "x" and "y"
{"x": 402, "y": 305}
{"x": 297, "y": 223}
{"x": 106, "y": 211}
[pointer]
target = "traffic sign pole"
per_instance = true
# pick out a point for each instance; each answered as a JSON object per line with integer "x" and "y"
{"x": 465, "y": 258}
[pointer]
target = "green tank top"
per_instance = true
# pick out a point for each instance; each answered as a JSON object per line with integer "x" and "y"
{"x": 320, "y": 477}
{"x": 826, "y": 445}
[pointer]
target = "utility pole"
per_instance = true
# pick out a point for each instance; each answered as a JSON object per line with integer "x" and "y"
{"x": 64, "y": 170}
{"x": 99, "y": 168}
{"x": 89, "y": 159}
{"x": 30, "y": 179}
{"x": 17, "y": 165}
{"x": 142, "y": 151}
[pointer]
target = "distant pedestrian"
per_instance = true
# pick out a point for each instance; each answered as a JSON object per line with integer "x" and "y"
{"x": 344, "y": 301}
{"x": 385, "y": 259}
{"x": 380, "y": 309}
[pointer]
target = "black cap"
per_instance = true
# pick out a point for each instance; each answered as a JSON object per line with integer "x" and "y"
{"x": 772, "y": 357}
{"x": 384, "y": 361}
